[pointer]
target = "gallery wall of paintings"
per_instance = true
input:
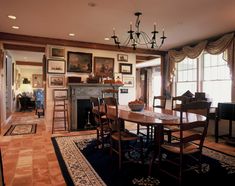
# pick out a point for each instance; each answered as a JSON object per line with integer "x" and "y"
{"x": 71, "y": 63}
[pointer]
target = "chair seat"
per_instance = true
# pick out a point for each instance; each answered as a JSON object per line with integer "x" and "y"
{"x": 125, "y": 136}
{"x": 189, "y": 148}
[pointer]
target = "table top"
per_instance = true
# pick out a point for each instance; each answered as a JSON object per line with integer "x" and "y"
{"x": 153, "y": 116}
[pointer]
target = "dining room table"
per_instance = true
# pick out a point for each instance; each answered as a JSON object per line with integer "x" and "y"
{"x": 155, "y": 117}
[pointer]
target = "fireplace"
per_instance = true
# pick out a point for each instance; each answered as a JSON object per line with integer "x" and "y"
{"x": 79, "y": 98}
{"x": 84, "y": 115}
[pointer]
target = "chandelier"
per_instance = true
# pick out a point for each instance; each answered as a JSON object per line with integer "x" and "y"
{"x": 137, "y": 37}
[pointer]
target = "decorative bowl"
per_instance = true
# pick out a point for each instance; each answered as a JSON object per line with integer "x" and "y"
{"x": 136, "y": 106}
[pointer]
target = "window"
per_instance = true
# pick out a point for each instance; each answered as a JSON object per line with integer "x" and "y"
{"x": 186, "y": 76}
{"x": 207, "y": 73}
{"x": 216, "y": 77}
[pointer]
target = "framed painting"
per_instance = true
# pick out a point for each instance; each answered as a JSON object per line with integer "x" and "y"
{"x": 125, "y": 68}
{"x": 56, "y": 81}
{"x": 128, "y": 81}
{"x": 55, "y": 66}
{"x": 124, "y": 91}
{"x": 104, "y": 67}
{"x": 37, "y": 81}
{"x": 118, "y": 77}
{"x": 60, "y": 94}
{"x": 122, "y": 57}
{"x": 57, "y": 52}
{"x": 79, "y": 62}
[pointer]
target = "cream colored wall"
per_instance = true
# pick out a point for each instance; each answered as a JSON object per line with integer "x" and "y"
{"x": 123, "y": 98}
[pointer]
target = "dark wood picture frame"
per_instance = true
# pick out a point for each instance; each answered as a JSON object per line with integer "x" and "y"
{"x": 57, "y": 52}
{"x": 125, "y": 68}
{"x": 103, "y": 67}
{"x": 60, "y": 94}
{"x": 122, "y": 57}
{"x": 56, "y": 81}
{"x": 79, "y": 62}
{"x": 56, "y": 66}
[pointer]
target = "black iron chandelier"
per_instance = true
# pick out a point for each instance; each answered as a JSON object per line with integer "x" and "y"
{"x": 137, "y": 37}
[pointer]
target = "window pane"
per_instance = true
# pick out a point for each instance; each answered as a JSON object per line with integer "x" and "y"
{"x": 214, "y": 60}
{"x": 213, "y": 73}
{"x": 214, "y": 93}
{"x": 207, "y": 73}
{"x": 179, "y": 66}
{"x": 183, "y": 87}
{"x": 180, "y": 76}
{"x": 207, "y": 60}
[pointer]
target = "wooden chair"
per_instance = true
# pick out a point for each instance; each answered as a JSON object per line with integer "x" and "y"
{"x": 109, "y": 93}
{"x": 189, "y": 144}
{"x": 176, "y": 104}
{"x": 102, "y": 127}
{"x": 119, "y": 138}
{"x": 178, "y": 101}
{"x": 158, "y": 102}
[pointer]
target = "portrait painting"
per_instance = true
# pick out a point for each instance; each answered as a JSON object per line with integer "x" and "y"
{"x": 79, "y": 62}
{"x": 104, "y": 67}
{"x": 37, "y": 81}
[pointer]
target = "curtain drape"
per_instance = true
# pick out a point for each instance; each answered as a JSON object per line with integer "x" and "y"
{"x": 223, "y": 44}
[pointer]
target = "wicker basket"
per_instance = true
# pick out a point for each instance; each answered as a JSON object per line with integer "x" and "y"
{"x": 136, "y": 107}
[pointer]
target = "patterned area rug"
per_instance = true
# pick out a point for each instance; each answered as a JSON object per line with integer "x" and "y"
{"x": 83, "y": 164}
{"x": 20, "y": 129}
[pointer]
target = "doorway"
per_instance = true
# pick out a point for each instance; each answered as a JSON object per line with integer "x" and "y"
{"x": 24, "y": 76}
{"x": 148, "y": 80}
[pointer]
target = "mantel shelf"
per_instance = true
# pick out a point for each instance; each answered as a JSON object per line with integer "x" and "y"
{"x": 94, "y": 85}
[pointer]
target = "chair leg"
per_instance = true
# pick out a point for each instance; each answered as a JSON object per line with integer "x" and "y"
{"x": 138, "y": 128}
{"x": 119, "y": 155}
{"x": 97, "y": 138}
{"x": 169, "y": 136}
{"x": 102, "y": 138}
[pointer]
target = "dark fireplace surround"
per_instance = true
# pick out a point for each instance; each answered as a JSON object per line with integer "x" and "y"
{"x": 80, "y": 107}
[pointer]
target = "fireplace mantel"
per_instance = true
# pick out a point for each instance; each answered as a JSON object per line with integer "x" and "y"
{"x": 84, "y": 91}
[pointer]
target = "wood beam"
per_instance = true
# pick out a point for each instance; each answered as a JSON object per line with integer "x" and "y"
{"x": 63, "y": 42}
{"x": 140, "y": 59}
{"x": 30, "y": 48}
{"x": 28, "y": 63}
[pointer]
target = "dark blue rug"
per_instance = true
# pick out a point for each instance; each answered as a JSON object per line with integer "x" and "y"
{"x": 218, "y": 168}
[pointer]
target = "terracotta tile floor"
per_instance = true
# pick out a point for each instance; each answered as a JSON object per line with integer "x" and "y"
{"x": 31, "y": 160}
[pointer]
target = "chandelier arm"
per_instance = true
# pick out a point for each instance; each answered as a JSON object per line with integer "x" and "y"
{"x": 138, "y": 37}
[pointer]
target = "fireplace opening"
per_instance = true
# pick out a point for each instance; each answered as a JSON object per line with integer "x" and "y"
{"x": 85, "y": 119}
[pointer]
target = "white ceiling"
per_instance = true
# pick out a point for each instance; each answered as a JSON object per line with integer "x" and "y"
{"x": 184, "y": 21}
